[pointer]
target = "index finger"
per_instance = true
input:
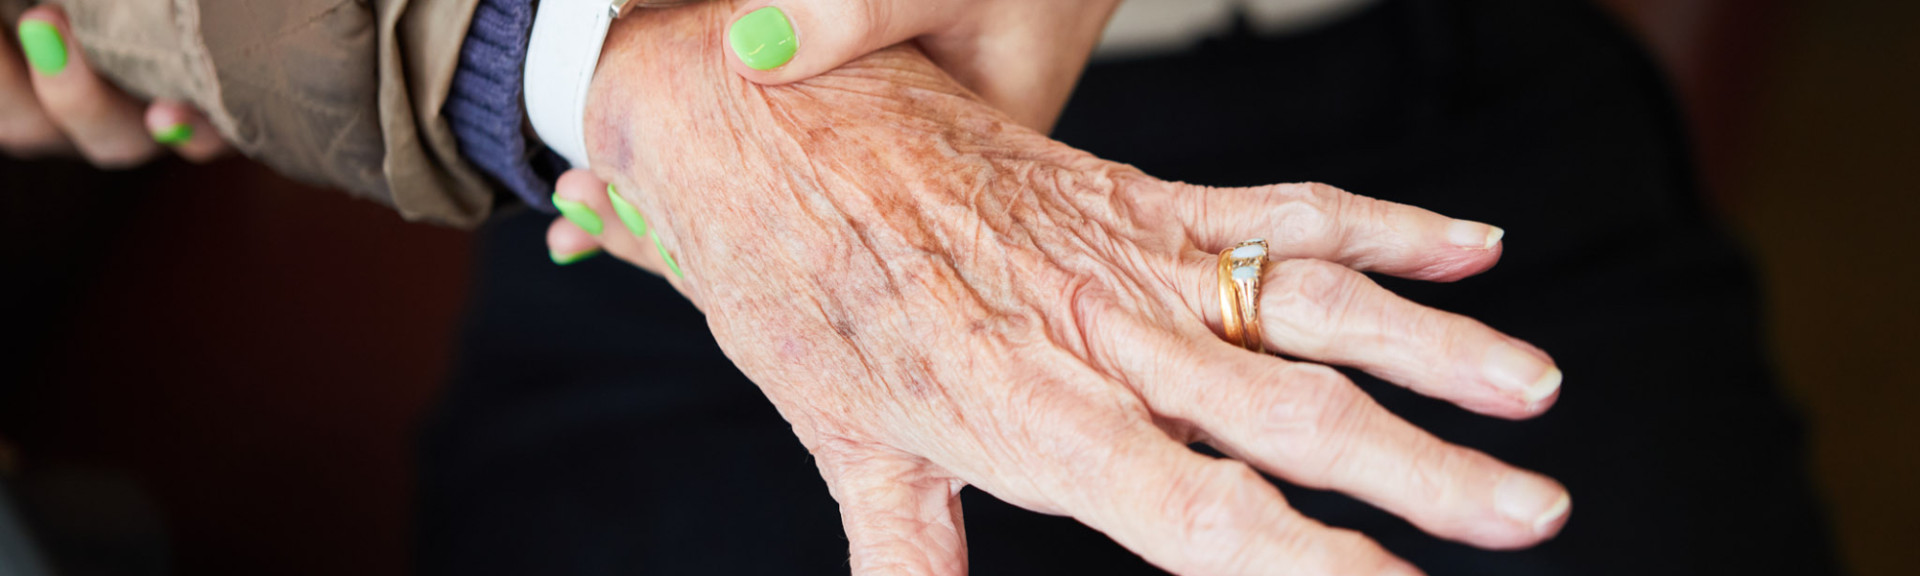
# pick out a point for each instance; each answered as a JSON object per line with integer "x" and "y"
{"x": 1326, "y": 223}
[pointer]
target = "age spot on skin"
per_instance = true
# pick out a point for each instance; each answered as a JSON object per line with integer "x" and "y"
{"x": 916, "y": 378}
{"x": 845, "y": 329}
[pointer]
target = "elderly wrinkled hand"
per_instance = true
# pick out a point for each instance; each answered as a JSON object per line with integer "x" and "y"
{"x": 53, "y": 104}
{"x": 935, "y": 296}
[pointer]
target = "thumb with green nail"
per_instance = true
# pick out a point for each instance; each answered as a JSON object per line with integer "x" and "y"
{"x": 53, "y": 103}
{"x": 1021, "y": 56}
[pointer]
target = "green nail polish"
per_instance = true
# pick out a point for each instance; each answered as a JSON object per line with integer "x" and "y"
{"x": 629, "y": 215}
{"x": 567, "y": 259}
{"x": 763, "y": 39}
{"x": 45, "y": 49}
{"x": 637, "y": 224}
{"x": 174, "y": 136}
{"x": 671, "y": 264}
{"x": 579, "y": 213}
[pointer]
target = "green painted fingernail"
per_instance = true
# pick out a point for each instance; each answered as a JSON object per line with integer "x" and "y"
{"x": 175, "y": 135}
{"x": 629, "y": 215}
{"x": 579, "y": 213}
{"x": 637, "y": 224}
{"x": 45, "y": 49}
{"x": 566, "y": 259}
{"x": 763, "y": 39}
{"x": 671, "y": 264}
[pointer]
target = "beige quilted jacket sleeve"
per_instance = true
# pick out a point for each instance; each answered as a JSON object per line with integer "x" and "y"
{"x": 342, "y": 93}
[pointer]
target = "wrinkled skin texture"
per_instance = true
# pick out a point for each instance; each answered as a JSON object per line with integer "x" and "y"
{"x": 934, "y": 296}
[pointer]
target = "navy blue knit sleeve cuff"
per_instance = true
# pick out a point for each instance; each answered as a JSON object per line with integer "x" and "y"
{"x": 485, "y": 108}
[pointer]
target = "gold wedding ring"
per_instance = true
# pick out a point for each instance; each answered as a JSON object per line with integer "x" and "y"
{"x": 1240, "y": 270}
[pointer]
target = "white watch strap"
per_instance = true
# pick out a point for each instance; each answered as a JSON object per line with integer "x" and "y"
{"x": 561, "y": 57}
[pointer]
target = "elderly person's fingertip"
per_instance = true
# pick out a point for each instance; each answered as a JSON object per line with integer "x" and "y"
{"x": 1475, "y": 235}
{"x": 1533, "y": 501}
{"x": 1521, "y": 372}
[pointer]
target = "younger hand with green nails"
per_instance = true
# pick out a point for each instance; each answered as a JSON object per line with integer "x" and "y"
{"x": 580, "y": 233}
{"x": 52, "y": 103}
{"x": 1021, "y": 56}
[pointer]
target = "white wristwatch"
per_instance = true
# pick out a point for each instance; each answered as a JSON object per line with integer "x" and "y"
{"x": 561, "y": 57}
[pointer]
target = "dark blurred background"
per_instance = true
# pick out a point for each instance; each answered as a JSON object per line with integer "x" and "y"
{"x": 214, "y": 371}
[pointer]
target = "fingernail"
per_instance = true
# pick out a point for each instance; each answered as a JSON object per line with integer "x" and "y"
{"x": 567, "y": 259}
{"x": 45, "y": 49}
{"x": 1532, "y": 500}
{"x": 174, "y": 135}
{"x": 629, "y": 215}
{"x": 671, "y": 263}
{"x": 1470, "y": 234}
{"x": 1521, "y": 372}
{"x": 580, "y": 214}
{"x": 763, "y": 39}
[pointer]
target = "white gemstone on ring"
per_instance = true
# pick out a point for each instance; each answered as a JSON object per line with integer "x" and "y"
{"x": 1251, "y": 252}
{"x": 1246, "y": 273}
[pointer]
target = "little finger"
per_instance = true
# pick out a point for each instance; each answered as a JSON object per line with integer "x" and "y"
{"x": 181, "y": 127}
{"x": 1311, "y": 426}
{"x": 1192, "y": 514}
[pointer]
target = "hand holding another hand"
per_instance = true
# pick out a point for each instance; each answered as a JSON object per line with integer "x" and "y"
{"x": 936, "y": 296}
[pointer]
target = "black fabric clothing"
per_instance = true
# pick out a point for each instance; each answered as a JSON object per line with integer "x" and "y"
{"x": 593, "y": 427}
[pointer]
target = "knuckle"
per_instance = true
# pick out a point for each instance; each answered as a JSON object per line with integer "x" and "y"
{"x": 1322, "y": 191}
{"x": 1311, "y": 295}
{"x": 1350, "y": 552}
{"x": 1312, "y": 418}
{"x": 1430, "y": 473}
{"x": 1087, "y": 302}
{"x": 1215, "y": 515}
{"x": 1300, "y": 220}
{"x": 869, "y": 18}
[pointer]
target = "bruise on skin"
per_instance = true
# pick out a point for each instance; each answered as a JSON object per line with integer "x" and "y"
{"x": 617, "y": 147}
